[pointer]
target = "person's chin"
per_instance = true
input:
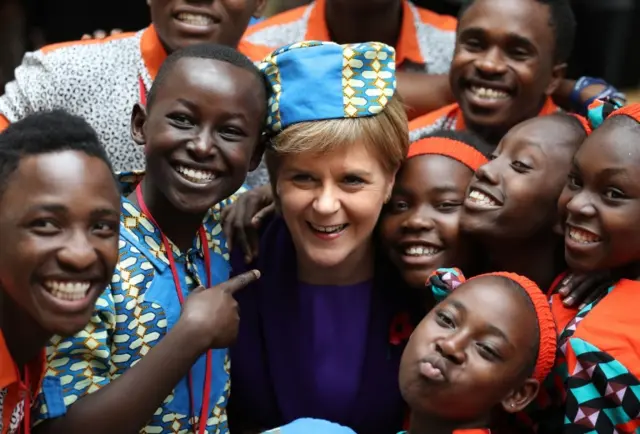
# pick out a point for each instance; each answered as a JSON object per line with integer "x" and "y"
{"x": 584, "y": 263}
{"x": 67, "y": 325}
{"x": 326, "y": 258}
{"x": 475, "y": 224}
{"x": 195, "y": 202}
{"x": 495, "y": 118}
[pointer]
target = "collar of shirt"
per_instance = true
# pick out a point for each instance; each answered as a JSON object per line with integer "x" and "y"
{"x": 548, "y": 108}
{"x": 9, "y": 370}
{"x": 407, "y": 47}
{"x": 153, "y": 52}
{"x": 144, "y": 234}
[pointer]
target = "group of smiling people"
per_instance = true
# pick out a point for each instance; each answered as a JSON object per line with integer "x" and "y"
{"x": 472, "y": 270}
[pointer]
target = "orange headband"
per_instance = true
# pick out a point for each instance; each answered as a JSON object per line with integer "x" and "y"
{"x": 631, "y": 110}
{"x": 460, "y": 151}
{"x": 584, "y": 122}
{"x": 546, "y": 324}
{"x": 445, "y": 280}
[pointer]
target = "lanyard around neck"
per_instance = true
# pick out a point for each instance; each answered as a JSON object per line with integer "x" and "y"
{"x": 204, "y": 412}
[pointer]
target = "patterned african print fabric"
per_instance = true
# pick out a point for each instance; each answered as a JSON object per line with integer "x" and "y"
{"x": 349, "y": 81}
{"x": 132, "y": 315}
{"x": 598, "y": 364}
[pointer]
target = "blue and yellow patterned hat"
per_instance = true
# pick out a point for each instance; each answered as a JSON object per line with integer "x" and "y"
{"x": 312, "y": 81}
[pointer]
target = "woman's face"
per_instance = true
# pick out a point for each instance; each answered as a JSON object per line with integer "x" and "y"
{"x": 331, "y": 202}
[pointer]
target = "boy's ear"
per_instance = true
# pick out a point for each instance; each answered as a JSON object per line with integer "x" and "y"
{"x": 557, "y": 75}
{"x": 138, "y": 120}
{"x": 518, "y": 399}
{"x": 258, "y": 152}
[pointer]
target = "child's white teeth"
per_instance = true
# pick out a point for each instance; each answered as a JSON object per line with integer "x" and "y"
{"x": 328, "y": 229}
{"x": 193, "y": 175}
{"x": 421, "y": 251}
{"x": 195, "y": 19}
{"x": 65, "y": 290}
{"x": 582, "y": 237}
{"x": 487, "y": 93}
{"x": 481, "y": 198}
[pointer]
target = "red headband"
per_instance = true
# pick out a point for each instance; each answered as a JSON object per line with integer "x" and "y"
{"x": 460, "y": 151}
{"x": 546, "y": 324}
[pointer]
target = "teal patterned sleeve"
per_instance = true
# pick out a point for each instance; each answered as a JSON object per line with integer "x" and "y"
{"x": 78, "y": 365}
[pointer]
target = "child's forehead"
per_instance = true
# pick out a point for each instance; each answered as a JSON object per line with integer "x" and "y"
{"x": 491, "y": 301}
{"x": 192, "y": 67}
{"x": 548, "y": 133}
{"x": 620, "y": 140}
{"x": 58, "y": 174}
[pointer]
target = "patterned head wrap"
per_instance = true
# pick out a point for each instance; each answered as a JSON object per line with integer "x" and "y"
{"x": 312, "y": 81}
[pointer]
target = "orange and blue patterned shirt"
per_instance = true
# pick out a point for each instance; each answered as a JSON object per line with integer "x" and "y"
{"x": 138, "y": 308}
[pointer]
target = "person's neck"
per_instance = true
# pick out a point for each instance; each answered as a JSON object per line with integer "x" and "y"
{"x": 176, "y": 225}
{"x": 348, "y": 25}
{"x": 535, "y": 258}
{"x": 493, "y": 135}
{"x": 356, "y": 268}
{"x": 425, "y": 424}
{"x": 24, "y": 336}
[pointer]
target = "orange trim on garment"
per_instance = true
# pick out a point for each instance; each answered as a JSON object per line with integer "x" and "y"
{"x": 432, "y": 117}
{"x": 15, "y": 387}
{"x": 453, "y": 111}
{"x": 4, "y": 123}
{"x": 455, "y": 149}
{"x": 7, "y": 365}
{"x": 53, "y": 47}
{"x": 548, "y": 108}
{"x": 254, "y": 52}
{"x": 153, "y": 53}
{"x": 407, "y": 47}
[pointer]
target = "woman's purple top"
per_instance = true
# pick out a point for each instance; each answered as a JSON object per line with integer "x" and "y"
{"x": 313, "y": 351}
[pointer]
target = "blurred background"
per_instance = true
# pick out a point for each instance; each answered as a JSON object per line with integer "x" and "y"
{"x": 608, "y": 30}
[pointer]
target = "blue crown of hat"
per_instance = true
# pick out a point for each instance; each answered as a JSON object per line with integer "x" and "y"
{"x": 313, "y": 80}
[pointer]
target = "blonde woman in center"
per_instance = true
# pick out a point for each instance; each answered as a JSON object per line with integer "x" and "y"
{"x": 317, "y": 332}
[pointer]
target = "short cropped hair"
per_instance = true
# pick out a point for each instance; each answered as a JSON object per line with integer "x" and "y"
{"x": 561, "y": 20}
{"x": 210, "y": 51}
{"x": 44, "y": 133}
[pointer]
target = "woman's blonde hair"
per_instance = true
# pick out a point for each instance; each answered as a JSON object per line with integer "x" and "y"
{"x": 385, "y": 135}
